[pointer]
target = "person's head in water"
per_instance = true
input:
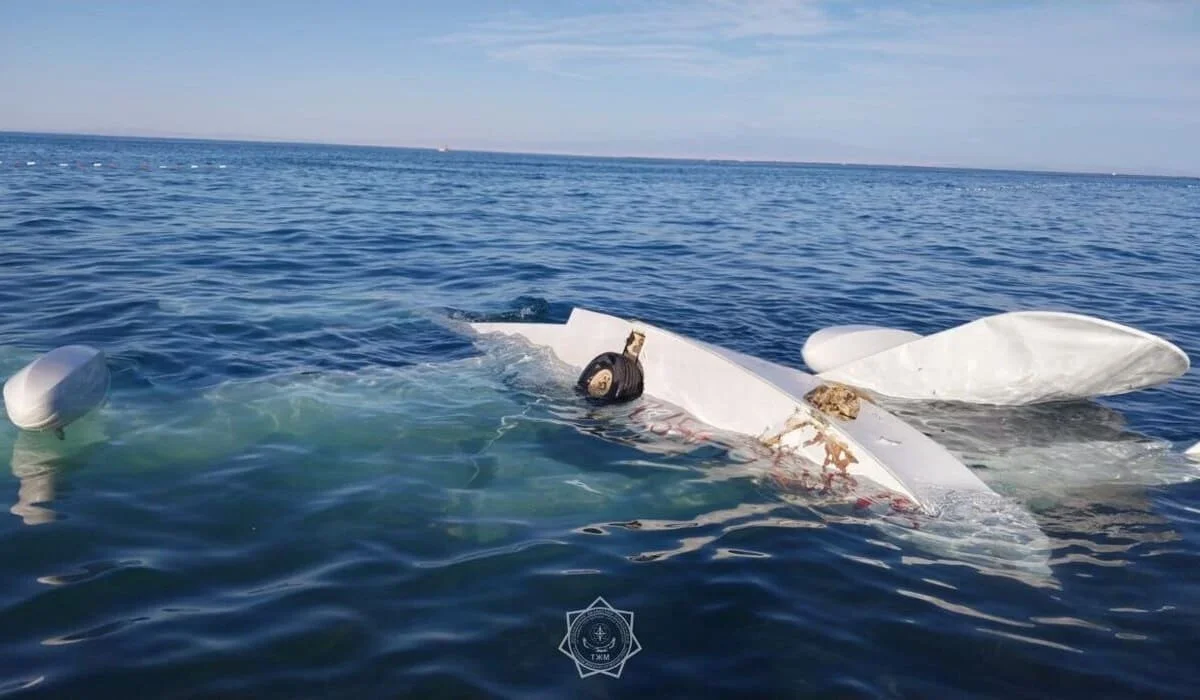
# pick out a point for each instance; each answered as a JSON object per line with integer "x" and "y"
{"x": 614, "y": 377}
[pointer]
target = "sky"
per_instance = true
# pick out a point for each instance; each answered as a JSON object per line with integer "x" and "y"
{"x": 1087, "y": 85}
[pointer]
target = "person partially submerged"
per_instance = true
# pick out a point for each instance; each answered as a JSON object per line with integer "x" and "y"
{"x": 615, "y": 377}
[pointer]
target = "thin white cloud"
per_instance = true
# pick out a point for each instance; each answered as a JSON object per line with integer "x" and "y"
{"x": 690, "y": 20}
{"x": 728, "y": 38}
{"x": 674, "y": 59}
{"x": 1073, "y": 83}
{"x": 690, "y": 38}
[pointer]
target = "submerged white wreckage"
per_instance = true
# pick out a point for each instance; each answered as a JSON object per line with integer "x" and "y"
{"x": 786, "y": 408}
{"x": 830, "y": 420}
{"x": 827, "y": 419}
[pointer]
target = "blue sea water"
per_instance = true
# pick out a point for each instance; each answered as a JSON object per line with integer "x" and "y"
{"x": 309, "y": 482}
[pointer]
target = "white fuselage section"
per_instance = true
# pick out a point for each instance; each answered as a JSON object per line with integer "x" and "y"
{"x": 739, "y": 393}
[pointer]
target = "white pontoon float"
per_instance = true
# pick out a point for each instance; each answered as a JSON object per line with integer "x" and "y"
{"x": 57, "y": 388}
{"x": 739, "y": 393}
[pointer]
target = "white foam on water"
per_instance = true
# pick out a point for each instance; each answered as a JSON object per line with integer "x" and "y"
{"x": 991, "y": 533}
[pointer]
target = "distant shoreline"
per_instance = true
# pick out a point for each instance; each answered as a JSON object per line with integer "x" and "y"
{"x": 552, "y": 154}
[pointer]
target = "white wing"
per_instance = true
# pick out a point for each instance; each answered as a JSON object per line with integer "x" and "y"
{"x": 1019, "y": 358}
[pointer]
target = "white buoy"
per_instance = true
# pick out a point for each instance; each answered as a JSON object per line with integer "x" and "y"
{"x": 1193, "y": 452}
{"x": 57, "y": 388}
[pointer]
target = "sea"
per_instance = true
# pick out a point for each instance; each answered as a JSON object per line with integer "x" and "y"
{"x": 310, "y": 480}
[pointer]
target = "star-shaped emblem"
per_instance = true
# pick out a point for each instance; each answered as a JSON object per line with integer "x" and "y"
{"x": 600, "y": 639}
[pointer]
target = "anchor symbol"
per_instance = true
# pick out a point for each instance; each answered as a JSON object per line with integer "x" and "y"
{"x": 599, "y": 632}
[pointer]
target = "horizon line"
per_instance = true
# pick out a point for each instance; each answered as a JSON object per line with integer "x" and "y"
{"x": 556, "y": 154}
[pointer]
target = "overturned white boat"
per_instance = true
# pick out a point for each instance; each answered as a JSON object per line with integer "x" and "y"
{"x": 1009, "y": 359}
{"x": 784, "y": 407}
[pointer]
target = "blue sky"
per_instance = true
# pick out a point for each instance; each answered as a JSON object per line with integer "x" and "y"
{"x": 1078, "y": 85}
